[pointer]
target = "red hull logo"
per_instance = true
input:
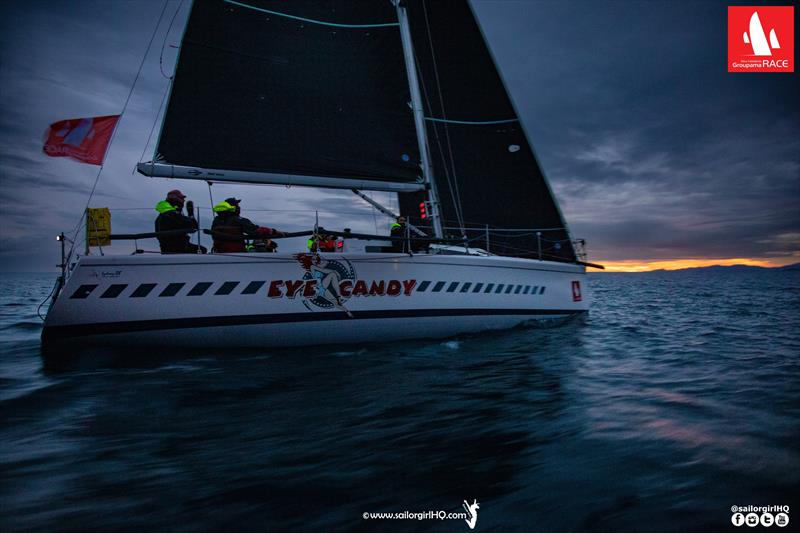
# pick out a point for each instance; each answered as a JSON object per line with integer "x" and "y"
{"x": 760, "y": 39}
{"x": 576, "y": 291}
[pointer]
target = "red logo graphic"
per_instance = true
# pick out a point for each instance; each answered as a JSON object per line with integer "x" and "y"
{"x": 760, "y": 39}
{"x": 576, "y": 291}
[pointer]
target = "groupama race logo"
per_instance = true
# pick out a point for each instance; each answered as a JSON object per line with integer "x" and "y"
{"x": 761, "y": 39}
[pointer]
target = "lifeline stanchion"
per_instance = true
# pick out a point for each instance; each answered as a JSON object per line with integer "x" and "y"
{"x": 539, "y": 243}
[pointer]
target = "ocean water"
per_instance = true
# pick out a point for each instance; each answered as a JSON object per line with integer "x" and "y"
{"x": 673, "y": 400}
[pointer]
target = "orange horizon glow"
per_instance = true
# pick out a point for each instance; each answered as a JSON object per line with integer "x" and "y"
{"x": 677, "y": 264}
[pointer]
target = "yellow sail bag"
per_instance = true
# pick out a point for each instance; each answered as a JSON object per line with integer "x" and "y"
{"x": 98, "y": 226}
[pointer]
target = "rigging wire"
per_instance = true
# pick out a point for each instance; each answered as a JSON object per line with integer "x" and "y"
{"x": 166, "y": 89}
{"x": 155, "y": 121}
{"x": 164, "y": 44}
{"x": 456, "y": 192}
{"x": 39, "y": 308}
{"x": 114, "y": 133}
{"x": 312, "y": 21}
{"x": 445, "y": 167}
{"x": 258, "y": 209}
{"x": 374, "y": 217}
{"x": 470, "y": 122}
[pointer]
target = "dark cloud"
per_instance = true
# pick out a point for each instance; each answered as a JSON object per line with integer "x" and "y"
{"x": 653, "y": 149}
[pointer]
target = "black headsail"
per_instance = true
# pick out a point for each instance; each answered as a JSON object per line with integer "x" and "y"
{"x": 314, "y": 89}
{"x": 485, "y": 169}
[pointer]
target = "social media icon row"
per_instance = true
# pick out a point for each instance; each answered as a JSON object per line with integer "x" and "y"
{"x": 766, "y": 519}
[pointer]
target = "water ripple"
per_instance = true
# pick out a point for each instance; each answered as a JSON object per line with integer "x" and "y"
{"x": 676, "y": 398}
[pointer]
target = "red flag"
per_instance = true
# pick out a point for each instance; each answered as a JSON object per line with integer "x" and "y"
{"x": 84, "y": 139}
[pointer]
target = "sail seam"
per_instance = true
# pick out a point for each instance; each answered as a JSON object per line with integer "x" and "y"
{"x": 312, "y": 21}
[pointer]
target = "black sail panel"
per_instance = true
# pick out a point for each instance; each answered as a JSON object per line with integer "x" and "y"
{"x": 304, "y": 94}
{"x": 485, "y": 170}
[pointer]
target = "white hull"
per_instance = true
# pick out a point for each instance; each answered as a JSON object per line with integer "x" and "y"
{"x": 272, "y": 300}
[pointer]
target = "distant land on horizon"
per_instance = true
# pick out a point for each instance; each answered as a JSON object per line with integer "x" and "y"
{"x": 712, "y": 268}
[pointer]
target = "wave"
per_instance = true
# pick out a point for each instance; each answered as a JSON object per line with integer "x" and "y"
{"x": 24, "y": 326}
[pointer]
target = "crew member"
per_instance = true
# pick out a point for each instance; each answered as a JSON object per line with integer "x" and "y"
{"x": 230, "y": 231}
{"x": 171, "y": 218}
{"x": 263, "y": 245}
{"x": 399, "y": 230}
{"x": 322, "y": 243}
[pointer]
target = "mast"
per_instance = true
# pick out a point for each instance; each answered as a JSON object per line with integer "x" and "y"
{"x": 419, "y": 117}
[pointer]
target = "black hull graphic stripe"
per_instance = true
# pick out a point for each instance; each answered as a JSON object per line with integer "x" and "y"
{"x": 51, "y": 333}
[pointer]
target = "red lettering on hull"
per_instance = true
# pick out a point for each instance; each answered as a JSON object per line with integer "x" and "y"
{"x": 393, "y": 288}
{"x": 275, "y": 289}
{"x": 360, "y": 288}
{"x": 377, "y": 288}
{"x": 408, "y": 286}
{"x": 347, "y": 288}
{"x": 310, "y": 288}
{"x": 293, "y": 287}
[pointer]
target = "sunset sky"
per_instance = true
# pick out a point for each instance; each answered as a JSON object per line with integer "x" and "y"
{"x": 659, "y": 157}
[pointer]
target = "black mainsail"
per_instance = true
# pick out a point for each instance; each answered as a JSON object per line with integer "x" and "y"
{"x": 322, "y": 92}
{"x": 315, "y": 92}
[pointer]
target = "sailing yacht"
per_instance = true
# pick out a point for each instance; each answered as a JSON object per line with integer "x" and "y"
{"x": 401, "y": 96}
